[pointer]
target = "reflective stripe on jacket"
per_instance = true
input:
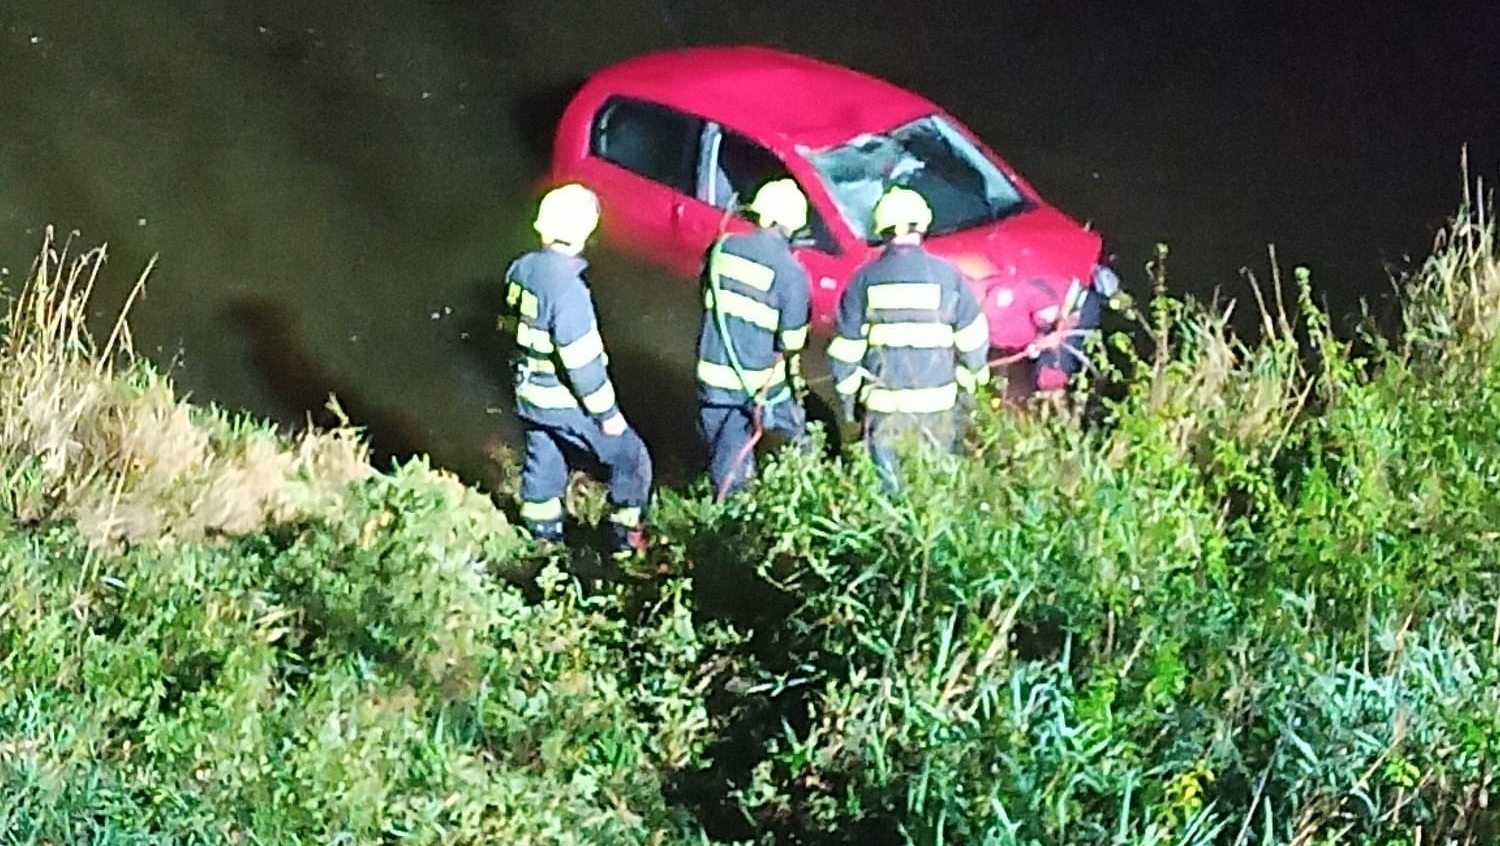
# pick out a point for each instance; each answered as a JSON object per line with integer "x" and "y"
{"x": 908, "y": 334}
{"x": 562, "y": 363}
{"x": 763, "y": 298}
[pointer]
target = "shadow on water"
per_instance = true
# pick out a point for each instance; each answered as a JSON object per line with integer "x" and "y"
{"x": 300, "y": 384}
{"x": 537, "y": 113}
{"x": 486, "y": 351}
{"x": 660, "y": 400}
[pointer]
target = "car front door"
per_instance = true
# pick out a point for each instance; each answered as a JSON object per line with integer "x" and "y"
{"x": 644, "y": 162}
{"x": 732, "y": 168}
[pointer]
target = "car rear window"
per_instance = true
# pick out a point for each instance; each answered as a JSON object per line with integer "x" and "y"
{"x": 649, "y": 140}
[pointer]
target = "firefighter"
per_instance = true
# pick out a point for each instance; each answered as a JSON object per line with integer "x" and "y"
{"x": 1061, "y": 323}
{"x": 757, "y": 307}
{"x": 909, "y": 336}
{"x": 564, "y": 394}
{"x": 1063, "y": 330}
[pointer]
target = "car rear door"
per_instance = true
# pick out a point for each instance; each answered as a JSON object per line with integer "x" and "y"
{"x": 644, "y": 163}
{"x": 732, "y": 167}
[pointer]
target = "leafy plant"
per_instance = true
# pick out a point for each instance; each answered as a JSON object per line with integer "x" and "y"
{"x": 1252, "y": 600}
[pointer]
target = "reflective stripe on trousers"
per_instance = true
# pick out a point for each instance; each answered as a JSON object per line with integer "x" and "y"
{"x": 544, "y": 471}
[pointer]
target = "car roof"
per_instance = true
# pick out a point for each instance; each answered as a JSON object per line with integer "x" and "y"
{"x": 768, "y": 94}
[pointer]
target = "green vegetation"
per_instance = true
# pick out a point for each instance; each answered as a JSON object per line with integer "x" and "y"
{"x": 213, "y": 636}
{"x": 1252, "y": 600}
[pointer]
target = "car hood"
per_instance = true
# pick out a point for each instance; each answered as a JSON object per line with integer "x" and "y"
{"x": 1021, "y": 266}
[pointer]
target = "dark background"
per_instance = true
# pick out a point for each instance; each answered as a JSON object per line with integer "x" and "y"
{"x": 332, "y": 187}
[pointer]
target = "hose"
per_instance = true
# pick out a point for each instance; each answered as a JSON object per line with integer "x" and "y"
{"x": 758, "y": 399}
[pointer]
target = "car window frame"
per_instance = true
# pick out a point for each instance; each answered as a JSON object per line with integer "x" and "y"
{"x": 966, "y": 147}
{"x": 692, "y": 163}
{"x": 709, "y": 147}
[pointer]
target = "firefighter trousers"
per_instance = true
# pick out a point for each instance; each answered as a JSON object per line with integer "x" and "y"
{"x": 558, "y": 435}
{"x": 933, "y": 437}
{"x": 727, "y": 430}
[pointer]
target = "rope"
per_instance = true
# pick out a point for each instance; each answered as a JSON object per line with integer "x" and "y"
{"x": 757, "y": 430}
{"x": 1056, "y": 339}
{"x": 758, "y": 404}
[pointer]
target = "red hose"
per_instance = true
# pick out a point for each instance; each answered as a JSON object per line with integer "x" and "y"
{"x": 757, "y": 430}
{"x": 1052, "y": 340}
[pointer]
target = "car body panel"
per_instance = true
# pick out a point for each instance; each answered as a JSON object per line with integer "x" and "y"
{"x": 739, "y": 111}
{"x": 777, "y": 98}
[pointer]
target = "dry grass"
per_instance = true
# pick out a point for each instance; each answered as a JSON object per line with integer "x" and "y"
{"x": 1455, "y": 299}
{"x": 93, "y": 434}
{"x": 1205, "y": 385}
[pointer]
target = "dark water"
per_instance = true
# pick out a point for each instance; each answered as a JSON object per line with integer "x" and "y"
{"x": 332, "y": 187}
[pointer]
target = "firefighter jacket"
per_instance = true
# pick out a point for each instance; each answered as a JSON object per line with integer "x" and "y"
{"x": 757, "y": 306}
{"x": 908, "y": 335}
{"x": 561, "y": 362}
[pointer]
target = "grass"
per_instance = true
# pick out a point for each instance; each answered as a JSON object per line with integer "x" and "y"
{"x": 215, "y": 634}
{"x": 1245, "y": 596}
{"x": 92, "y": 435}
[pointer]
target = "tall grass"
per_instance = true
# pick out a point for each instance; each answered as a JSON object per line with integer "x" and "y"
{"x": 1253, "y": 601}
{"x": 93, "y": 433}
{"x": 1256, "y": 605}
{"x": 213, "y": 634}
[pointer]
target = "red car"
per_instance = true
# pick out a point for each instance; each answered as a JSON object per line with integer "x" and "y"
{"x": 672, "y": 140}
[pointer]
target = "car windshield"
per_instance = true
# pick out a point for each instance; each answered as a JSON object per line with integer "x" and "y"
{"x": 928, "y": 155}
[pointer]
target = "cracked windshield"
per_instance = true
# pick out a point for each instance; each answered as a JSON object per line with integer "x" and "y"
{"x": 964, "y": 188}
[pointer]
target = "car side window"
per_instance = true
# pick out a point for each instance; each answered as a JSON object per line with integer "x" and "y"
{"x": 738, "y": 170}
{"x": 649, "y": 140}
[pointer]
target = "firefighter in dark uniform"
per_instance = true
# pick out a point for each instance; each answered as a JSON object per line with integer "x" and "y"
{"x": 757, "y": 307}
{"x": 909, "y": 336}
{"x": 1063, "y": 329}
{"x": 564, "y": 394}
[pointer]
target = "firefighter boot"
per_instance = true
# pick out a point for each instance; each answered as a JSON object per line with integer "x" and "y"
{"x": 546, "y": 532}
{"x": 626, "y": 541}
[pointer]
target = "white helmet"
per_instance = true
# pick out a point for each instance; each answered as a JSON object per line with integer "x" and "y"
{"x": 568, "y": 215}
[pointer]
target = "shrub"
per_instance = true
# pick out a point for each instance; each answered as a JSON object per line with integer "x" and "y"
{"x": 211, "y": 634}
{"x": 1252, "y": 601}
{"x": 1256, "y": 605}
